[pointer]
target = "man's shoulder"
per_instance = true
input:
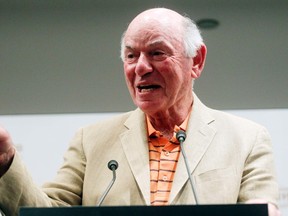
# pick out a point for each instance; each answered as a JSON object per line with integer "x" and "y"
{"x": 113, "y": 122}
{"x": 118, "y": 118}
{"x": 222, "y": 118}
{"x": 226, "y": 119}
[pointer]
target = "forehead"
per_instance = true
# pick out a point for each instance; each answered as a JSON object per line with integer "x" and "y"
{"x": 152, "y": 35}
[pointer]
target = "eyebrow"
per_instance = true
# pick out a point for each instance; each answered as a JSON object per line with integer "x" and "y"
{"x": 129, "y": 47}
{"x": 154, "y": 44}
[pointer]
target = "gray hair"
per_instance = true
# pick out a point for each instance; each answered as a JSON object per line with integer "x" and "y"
{"x": 192, "y": 39}
{"x": 122, "y": 46}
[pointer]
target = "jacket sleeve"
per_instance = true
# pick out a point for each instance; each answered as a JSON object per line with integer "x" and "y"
{"x": 259, "y": 179}
{"x": 18, "y": 189}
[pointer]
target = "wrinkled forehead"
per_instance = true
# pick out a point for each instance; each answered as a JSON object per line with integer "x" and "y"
{"x": 154, "y": 27}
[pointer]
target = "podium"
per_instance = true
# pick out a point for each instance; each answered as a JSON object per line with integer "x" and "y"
{"x": 181, "y": 210}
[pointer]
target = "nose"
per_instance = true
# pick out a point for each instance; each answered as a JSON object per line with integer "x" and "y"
{"x": 143, "y": 65}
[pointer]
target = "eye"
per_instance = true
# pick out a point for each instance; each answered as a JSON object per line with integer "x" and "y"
{"x": 158, "y": 55}
{"x": 130, "y": 57}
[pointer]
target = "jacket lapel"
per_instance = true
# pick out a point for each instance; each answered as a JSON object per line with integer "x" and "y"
{"x": 134, "y": 142}
{"x": 199, "y": 137}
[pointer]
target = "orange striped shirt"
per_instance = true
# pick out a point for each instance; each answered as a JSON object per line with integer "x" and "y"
{"x": 163, "y": 158}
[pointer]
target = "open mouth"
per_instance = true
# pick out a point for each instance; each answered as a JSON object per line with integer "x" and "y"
{"x": 147, "y": 88}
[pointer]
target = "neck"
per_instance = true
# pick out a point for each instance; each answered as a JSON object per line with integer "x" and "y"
{"x": 165, "y": 121}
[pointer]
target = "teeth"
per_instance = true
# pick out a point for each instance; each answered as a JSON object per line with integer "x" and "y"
{"x": 147, "y": 90}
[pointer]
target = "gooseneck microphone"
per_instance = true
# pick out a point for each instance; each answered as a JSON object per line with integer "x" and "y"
{"x": 112, "y": 165}
{"x": 181, "y": 136}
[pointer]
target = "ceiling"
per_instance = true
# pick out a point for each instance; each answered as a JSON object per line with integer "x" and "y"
{"x": 63, "y": 56}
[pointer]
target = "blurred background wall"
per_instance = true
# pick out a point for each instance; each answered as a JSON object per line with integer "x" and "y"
{"x": 60, "y": 69}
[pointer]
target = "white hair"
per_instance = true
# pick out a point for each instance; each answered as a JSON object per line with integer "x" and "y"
{"x": 122, "y": 46}
{"x": 192, "y": 39}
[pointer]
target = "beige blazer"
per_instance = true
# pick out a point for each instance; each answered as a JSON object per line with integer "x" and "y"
{"x": 230, "y": 159}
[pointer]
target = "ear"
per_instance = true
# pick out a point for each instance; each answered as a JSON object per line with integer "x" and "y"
{"x": 199, "y": 61}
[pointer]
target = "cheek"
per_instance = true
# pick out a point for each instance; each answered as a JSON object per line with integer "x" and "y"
{"x": 177, "y": 76}
{"x": 129, "y": 75}
{"x": 168, "y": 71}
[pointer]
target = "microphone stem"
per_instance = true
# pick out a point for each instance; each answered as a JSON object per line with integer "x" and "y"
{"x": 108, "y": 188}
{"x": 189, "y": 173}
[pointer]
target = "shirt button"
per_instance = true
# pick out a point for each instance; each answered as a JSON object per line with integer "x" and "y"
{"x": 167, "y": 153}
{"x": 164, "y": 178}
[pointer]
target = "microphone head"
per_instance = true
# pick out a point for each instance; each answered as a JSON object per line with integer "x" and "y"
{"x": 112, "y": 164}
{"x": 181, "y": 136}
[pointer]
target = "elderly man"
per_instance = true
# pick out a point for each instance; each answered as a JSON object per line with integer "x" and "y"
{"x": 230, "y": 158}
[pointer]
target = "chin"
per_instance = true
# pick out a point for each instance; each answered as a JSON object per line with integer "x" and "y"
{"x": 149, "y": 107}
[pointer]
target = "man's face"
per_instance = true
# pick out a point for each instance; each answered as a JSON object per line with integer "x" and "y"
{"x": 157, "y": 72}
